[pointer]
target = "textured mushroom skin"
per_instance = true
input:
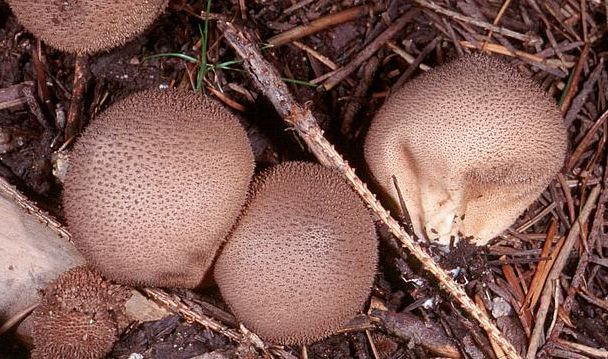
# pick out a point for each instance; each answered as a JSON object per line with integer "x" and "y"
{"x": 79, "y": 316}
{"x": 302, "y": 258}
{"x": 86, "y": 26}
{"x": 154, "y": 186}
{"x": 472, "y": 144}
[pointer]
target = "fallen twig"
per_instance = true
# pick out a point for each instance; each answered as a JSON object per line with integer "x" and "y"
{"x": 241, "y": 336}
{"x": 41, "y": 85}
{"x": 81, "y": 79}
{"x": 410, "y": 70}
{"x": 13, "y": 95}
{"x": 580, "y": 348}
{"x": 528, "y": 39}
{"x": 302, "y": 120}
{"x": 370, "y": 49}
{"x": 321, "y": 58}
{"x": 583, "y": 145}
{"x": 21, "y": 200}
{"x": 580, "y": 99}
{"x": 413, "y": 330}
{"x": 405, "y": 55}
{"x": 556, "y": 270}
{"x": 353, "y": 107}
{"x": 179, "y": 307}
{"x": 574, "y": 80}
{"x": 318, "y": 25}
{"x": 499, "y": 49}
{"x": 578, "y": 279}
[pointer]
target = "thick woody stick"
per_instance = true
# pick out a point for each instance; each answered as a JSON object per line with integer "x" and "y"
{"x": 268, "y": 81}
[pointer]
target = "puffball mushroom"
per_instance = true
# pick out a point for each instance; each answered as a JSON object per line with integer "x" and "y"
{"x": 154, "y": 186}
{"x": 86, "y": 26}
{"x": 471, "y": 143}
{"x": 80, "y": 315}
{"x": 302, "y": 258}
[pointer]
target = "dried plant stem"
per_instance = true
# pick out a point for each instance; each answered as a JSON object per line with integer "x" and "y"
{"x": 22, "y": 201}
{"x": 578, "y": 283}
{"x": 499, "y": 49}
{"x": 13, "y": 95}
{"x": 370, "y": 49}
{"x": 575, "y": 79}
{"x": 318, "y": 25}
{"x": 179, "y": 307}
{"x": 321, "y": 58}
{"x": 11, "y": 322}
{"x": 556, "y": 270}
{"x": 242, "y": 336}
{"x": 413, "y": 330}
{"x": 80, "y": 83}
{"x": 583, "y": 349}
{"x": 405, "y": 55}
{"x": 497, "y": 351}
{"x": 583, "y": 145}
{"x": 528, "y": 39}
{"x": 581, "y": 98}
{"x": 268, "y": 81}
{"x": 501, "y": 12}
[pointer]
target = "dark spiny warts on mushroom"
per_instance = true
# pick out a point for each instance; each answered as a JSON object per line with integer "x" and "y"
{"x": 80, "y": 315}
{"x": 154, "y": 185}
{"x": 86, "y": 26}
{"x": 302, "y": 258}
{"x": 472, "y": 139}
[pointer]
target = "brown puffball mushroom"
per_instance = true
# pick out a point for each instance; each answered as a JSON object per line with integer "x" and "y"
{"x": 472, "y": 144}
{"x": 86, "y": 26}
{"x": 302, "y": 258}
{"x": 154, "y": 186}
{"x": 80, "y": 315}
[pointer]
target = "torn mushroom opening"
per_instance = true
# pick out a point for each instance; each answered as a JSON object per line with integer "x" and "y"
{"x": 472, "y": 144}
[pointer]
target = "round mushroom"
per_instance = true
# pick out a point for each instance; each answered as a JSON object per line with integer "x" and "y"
{"x": 302, "y": 258}
{"x": 154, "y": 186}
{"x": 86, "y": 26}
{"x": 80, "y": 315}
{"x": 471, "y": 143}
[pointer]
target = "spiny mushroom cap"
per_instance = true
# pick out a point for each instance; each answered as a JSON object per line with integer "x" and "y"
{"x": 473, "y": 138}
{"x": 302, "y": 258}
{"x": 154, "y": 185}
{"x": 80, "y": 316}
{"x": 86, "y": 26}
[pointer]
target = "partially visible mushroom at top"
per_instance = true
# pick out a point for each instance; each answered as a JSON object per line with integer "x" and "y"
{"x": 471, "y": 143}
{"x": 86, "y": 26}
{"x": 80, "y": 315}
{"x": 302, "y": 258}
{"x": 154, "y": 186}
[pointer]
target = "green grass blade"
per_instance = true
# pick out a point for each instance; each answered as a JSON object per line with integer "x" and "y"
{"x": 203, "y": 69}
{"x": 188, "y": 58}
{"x": 299, "y": 82}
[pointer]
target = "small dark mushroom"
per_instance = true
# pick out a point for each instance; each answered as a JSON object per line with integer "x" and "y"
{"x": 80, "y": 315}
